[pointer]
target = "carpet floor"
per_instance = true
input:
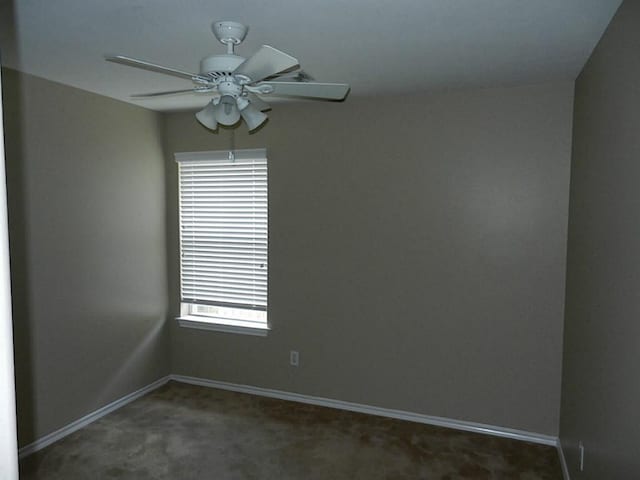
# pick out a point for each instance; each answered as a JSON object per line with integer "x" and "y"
{"x": 186, "y": 432}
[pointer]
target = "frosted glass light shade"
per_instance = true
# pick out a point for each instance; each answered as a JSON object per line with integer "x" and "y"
{"x": 207, "y": 116}
{"x": 253, "y": 117}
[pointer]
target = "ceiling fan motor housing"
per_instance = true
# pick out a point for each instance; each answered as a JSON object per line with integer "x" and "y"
{"x": 220, "y": 64}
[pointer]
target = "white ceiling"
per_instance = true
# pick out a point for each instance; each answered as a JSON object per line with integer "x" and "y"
{"x": 378, "y": 46}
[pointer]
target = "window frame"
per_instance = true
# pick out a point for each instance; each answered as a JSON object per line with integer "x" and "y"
{"x": 187, "y": 318}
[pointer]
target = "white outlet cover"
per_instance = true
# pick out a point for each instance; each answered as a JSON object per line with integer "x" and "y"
{"x": 294, "y": 358}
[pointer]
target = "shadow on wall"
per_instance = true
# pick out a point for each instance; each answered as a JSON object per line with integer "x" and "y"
{"x": 18, "y": 230}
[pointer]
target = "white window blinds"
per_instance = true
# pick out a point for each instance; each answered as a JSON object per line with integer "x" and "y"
{"x": 223, "y": 230}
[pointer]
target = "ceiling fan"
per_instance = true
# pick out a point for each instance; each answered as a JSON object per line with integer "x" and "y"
{"x": 237, "y": 83}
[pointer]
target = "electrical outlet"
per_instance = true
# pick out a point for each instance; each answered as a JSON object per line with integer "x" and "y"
{"x": 581, "y": 449}
{"x": 294, "y": 358}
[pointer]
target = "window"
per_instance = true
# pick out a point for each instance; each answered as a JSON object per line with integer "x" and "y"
{"x": 223, "y": 240}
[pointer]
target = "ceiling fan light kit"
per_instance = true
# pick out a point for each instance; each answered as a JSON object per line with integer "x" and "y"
{"x": 236, "y": 82}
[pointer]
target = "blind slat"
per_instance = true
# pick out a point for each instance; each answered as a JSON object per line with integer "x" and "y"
{"x": 238, "y": 273}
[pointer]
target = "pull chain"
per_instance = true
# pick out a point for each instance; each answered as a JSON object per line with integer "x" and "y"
{"x": 232, "y": 146}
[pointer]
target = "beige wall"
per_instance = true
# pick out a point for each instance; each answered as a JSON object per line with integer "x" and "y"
{"x": 417, "y": 253}
{"x": 417, "y": 249}
{"x": 601, "y": 386}
{"x": 86, "y": 206}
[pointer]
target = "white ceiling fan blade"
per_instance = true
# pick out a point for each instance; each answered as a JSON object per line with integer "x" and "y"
{"x": 160, "y": 94}
{"x": 267, "y": 61}
{"x": 257, "y": 102}
{"x": 329, "y": 91}
{"x": 298, "y": 75}
{"x": 133, "y": 62}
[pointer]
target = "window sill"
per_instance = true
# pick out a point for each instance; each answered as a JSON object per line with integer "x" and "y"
{"x": 222, "y": 325}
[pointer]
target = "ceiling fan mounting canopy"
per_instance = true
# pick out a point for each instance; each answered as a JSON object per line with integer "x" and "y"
{"x": 236, "y": 82}
{"x": 229, "y": 32}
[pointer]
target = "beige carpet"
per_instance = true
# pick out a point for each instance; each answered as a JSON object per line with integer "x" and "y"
{"x": 184, "y": 432}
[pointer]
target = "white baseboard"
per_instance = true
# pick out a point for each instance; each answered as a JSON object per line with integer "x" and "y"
{"x": 87, "y": 419}
{"x": 563, "y": 462}
{"x": 384, "y": 412}
{"x": 296, "y": 397}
